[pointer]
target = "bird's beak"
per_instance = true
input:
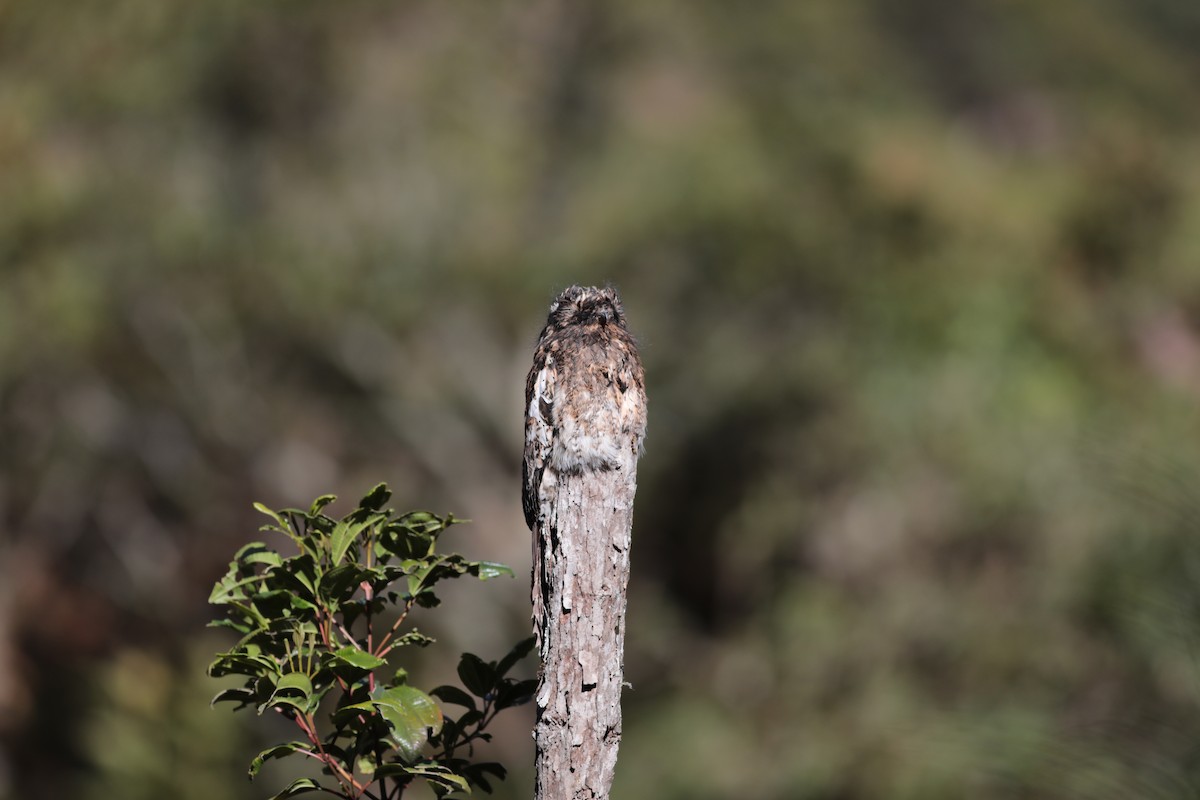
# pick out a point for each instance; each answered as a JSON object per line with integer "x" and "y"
{"x": 606, "y": 315}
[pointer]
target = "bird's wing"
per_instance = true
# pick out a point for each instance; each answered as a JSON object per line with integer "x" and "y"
{"x": 539, "y": 433}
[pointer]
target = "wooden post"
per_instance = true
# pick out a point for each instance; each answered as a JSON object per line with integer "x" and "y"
{"x": 584, "y": 555}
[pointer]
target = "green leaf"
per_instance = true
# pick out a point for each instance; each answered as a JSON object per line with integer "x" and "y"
{"x": 320, "y": 503}
{"x": 241, "y": 696}
{"x": 440, "y": 777}
{"x": 300, "y": 786}
{"x": 472, "y": 717}
{"x": 515, "y": 693}
{"x": 477, "y": 675}
{"x": 295, "y": 682}
{"x": 519, "y": 651}
{"x": 392, "y": 769}
{"x": 421, "y": 520}
{"x": 475, "y": 773}
{"x": 346, "y": 714}
{"x": 453, "y": 694}
{"x": 276, "y": 604}
{"x": 344, "y": 534}
{"x": 240, "y": 627}
{"x": 278, "y": 751}
{"x": 422, "y": 529}
{"x": 297, "y": 573}
{"x": 230, "y": 587}
{"x": 293, "y": 689}
{"x": 359, "y": 658}
{"x": 242, "y": 663}
{"x": 260, "y": 508}
{"x": 340, "y": 583}
{"x": 492, "y": 569}
{"x": 257, "y": 553}
{"x": 413, "y": 717}
{"x": 450, "y": 734}
{"x": 376, "y": 498}
{"x": 365, "y": 764}
{"x": 427, "y": 599}
{"x": 414, "y": 637}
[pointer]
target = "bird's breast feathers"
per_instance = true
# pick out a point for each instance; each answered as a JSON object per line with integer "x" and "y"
{"x": 584, "y": 419}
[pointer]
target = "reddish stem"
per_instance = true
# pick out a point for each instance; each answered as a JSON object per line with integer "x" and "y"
{"x": 309, "y": 726}
{"x": 383, "y": 648}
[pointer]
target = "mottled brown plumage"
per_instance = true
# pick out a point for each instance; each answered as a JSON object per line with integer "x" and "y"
{"x": 585, "y": 397}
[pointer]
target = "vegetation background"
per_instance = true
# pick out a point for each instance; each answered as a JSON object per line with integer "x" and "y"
{"x": 918, "y": 289}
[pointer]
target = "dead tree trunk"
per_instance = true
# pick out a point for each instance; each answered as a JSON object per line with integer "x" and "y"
{"x": 581, "y": 570}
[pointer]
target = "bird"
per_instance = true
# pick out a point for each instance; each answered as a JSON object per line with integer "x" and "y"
{"x": 585, "y": 395}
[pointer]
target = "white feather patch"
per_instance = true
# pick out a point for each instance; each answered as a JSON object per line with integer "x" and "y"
{"x": 539, "y": 432}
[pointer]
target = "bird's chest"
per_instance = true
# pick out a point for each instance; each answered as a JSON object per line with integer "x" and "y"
{"x": 592, "y": 413}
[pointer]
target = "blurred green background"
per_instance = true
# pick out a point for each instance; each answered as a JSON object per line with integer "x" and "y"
{"x": 918, "y": 290}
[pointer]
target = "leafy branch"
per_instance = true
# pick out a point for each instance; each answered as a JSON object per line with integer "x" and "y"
{"x": 310, "y": 651}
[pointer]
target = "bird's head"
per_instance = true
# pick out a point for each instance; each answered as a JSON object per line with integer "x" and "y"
{"x": 587, "y": 306}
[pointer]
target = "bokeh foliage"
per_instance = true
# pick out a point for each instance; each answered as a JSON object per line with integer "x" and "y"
{"x": 918, "y": 290}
